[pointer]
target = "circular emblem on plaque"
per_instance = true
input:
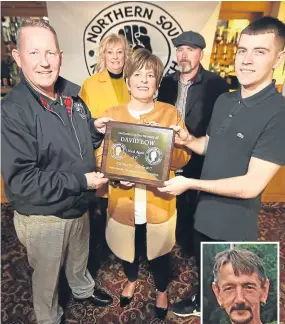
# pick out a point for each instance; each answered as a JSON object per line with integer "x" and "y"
{"x": 118, "y": 151}
{"x": 153, "y": 156}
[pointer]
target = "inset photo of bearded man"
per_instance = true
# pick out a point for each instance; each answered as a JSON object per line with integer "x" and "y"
{"x": 240, "y": 283}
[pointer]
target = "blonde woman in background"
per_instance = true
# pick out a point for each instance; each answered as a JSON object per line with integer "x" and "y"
{"x": 106, "y": 88}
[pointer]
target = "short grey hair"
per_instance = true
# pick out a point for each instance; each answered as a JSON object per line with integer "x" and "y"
{"x": 34, "y": 23}
{"x": 243, "y": 262}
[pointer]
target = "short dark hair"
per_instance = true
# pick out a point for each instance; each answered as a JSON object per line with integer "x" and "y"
{"x": 243, "y": 262}
{"x": 266, "y": 25}
{"x": 140, "y": 58}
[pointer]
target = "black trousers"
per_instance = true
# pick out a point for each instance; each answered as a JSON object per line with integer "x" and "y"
{"x": 186, "y": 204}
{"x": 103, "y": 207}
{"x": 198, "y": 238}
{"x": 160, "y": 266}
{"x": 98, "y": 247}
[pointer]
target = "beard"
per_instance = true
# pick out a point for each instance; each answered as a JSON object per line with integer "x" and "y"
{"x": 185, "y": 66}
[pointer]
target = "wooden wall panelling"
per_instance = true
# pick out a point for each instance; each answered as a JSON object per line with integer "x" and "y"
{"x": 3, "y": 196}
{"x": 275, "y": 191}
{"x": 24, "y": 8}
{"x": 250, "y": 10}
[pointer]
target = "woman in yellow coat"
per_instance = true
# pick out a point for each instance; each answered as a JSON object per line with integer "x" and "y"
{"x": 142, "y": 220}
{"x": 107, "y": 88}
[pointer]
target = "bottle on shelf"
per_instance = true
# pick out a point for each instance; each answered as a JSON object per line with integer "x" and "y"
{"x": 232, "y": 47}
{"x": 10, "y": 27}
{"x": 6, "y": 35}
{"x": 14, "y": 74}
{"x": 13, "y": 29}
{"x": 222, "y": 46}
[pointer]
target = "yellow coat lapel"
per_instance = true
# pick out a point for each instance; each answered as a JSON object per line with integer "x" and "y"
{"x": 98, "y": 93}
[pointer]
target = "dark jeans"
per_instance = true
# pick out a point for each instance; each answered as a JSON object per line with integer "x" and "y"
{"x": 160, "y": 266}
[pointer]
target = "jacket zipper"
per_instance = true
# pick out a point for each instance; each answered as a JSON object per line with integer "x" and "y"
{"x": 37, "y": 99}
{"x": 80, "y": 150}
{"x": 53, "y": 112}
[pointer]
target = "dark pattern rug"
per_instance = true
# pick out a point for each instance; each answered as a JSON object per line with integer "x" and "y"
{"x": 16, "y": 299}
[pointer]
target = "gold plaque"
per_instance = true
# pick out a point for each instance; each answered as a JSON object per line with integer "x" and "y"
{"x": 137, "y": 153}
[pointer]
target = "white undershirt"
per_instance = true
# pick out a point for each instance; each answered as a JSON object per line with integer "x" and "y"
{"x": 140, "y": 189}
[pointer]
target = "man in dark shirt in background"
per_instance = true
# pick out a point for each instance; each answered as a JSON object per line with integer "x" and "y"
{"x": 194, "y": 91}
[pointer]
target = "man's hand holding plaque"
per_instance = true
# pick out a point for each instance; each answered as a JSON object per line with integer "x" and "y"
{"x": 182, "y": 137}
{"x": 100, "y": 124}
{"x": 95, "y": 180}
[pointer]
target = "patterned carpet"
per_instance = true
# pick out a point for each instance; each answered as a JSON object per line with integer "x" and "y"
{"x": 16, "y": 299}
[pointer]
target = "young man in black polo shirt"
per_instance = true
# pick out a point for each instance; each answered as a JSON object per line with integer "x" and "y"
{"x": 243, "y": 148}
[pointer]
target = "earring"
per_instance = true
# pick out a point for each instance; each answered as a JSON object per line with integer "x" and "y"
{"x": 263, "y": 303}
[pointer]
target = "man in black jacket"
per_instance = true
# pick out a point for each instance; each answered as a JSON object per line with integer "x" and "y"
{"x": 48, "y": 166}
{"x": 193, "y": 90}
